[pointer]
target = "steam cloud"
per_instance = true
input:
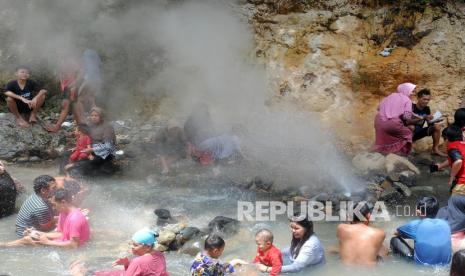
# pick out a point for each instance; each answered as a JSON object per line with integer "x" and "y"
{"x": 182, "y": 53}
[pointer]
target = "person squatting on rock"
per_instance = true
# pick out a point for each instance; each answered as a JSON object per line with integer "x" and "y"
{"x": 103, "y": 148}
{"x": 432, "y": 236}
{"x": 422, "y": 110}
{"x": 392, "y": 134}
{"x": 24, "y": 97}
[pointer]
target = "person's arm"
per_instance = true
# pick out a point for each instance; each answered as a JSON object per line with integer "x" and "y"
{"x": 309, "y": 254}
{"x": 17, "y": 97}
{"x": 276, "y": 264}
{"x": 457, "y": 161}
{"x": 409, "y": 230}
{"x": 46, "y": 220}
{"x": 73, "y": 243}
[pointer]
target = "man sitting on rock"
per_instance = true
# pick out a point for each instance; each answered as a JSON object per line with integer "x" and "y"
{"x": 432, "y": 236}
{"x": 360, "y": 244}
{"x": 24, "y": 97}
{"x": 421, "y": 109}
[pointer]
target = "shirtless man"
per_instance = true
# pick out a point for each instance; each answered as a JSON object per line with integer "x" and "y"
{"x": 24, "y": 97}
{"x": 360, "y": 244}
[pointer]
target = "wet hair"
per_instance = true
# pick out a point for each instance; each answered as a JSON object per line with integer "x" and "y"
{"x": 365, "y": 209}
{"x": 423, "y": 92}
{"x": 457, "y": 267}
{"x": 266, "y": 234}
{"x": 428, "y": 206}
{"x": 72, "y": 186}
{"x": 84, "y": 129}
{"x": 62, "y": 194}
{"x": 214, "y": 241}
{"x": 452, "y": 133}
{"x": 42, "y": 182}
{"x": 307, "y": 224}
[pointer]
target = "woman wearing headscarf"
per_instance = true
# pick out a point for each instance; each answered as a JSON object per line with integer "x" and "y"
{"x": 391, "y": 123}
{"x": 103, "y": 148}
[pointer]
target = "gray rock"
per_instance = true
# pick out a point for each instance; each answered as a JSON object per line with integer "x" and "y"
{"x": 34, "y": 159}
{"x": 165, "y": 237}
{"x": 402, "y": 189}
{"x": 390, "y": 194}
{"x": 428, "y": 189}
{"x": 18, "y": 142}
{"x": 408, "y": 178}
{"x": 366, "y": 162}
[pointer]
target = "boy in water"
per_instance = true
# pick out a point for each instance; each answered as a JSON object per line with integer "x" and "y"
{"x": 268, "y": 258}
{"x": 24, "y": 97}
{"x": 207, "y": 263}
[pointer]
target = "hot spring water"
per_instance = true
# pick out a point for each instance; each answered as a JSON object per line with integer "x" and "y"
{"x": 121, "y": 206}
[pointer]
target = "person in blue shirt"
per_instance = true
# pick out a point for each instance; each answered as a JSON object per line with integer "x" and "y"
{"x": 432, "y": 237}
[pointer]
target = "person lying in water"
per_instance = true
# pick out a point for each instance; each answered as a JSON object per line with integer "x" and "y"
{"x": 359, "y": 243}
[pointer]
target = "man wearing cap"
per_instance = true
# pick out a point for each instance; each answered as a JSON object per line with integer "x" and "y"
{"x": 148, "y": 260}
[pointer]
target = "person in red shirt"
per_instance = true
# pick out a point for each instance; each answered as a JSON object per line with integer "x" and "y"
{"x": 268, "y": 258}
{"x": 83, "y": 142}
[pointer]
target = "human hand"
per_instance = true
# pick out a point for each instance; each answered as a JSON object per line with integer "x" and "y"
{"x": 429, "y": 117}
{"x": 33, "y": 103}
{"x": 238, "y": 262}
{"x": 121, "y": 261}
{"x": 77, "y": 269}
{"x": 262, "y": 267}
{"x": 87, "y": 150}
{"x": 26, "y": 101}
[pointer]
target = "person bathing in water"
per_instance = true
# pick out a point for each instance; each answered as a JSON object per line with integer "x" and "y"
{"x": 24, "y": 97}
{"x": 359, "y": 243}
{"x": 306, "y": 249}
{"x": 269, "y": 258}
{"x": 432, "y": 236}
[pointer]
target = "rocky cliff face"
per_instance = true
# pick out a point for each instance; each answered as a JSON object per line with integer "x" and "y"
{"x": 325, "y": 57}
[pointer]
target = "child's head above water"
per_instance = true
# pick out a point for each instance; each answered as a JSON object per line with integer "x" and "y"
{"x": 82, "y": 129}
{"x": 264, "y": 239}
{"x": 214, "y": 245}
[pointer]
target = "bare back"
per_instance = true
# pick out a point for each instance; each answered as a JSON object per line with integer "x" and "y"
{"x": 360, "y": 244}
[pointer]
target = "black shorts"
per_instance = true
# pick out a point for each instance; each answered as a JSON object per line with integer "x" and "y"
{"x": 423, "y": 132}
{"x": 22, "y": 107}
{"x": 67, "y": 93}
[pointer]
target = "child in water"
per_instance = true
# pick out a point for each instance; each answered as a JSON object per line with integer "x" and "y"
{"x": 83, "y": 141}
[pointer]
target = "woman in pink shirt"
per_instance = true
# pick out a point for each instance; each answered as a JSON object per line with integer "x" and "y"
{"x": 148, "y": 262}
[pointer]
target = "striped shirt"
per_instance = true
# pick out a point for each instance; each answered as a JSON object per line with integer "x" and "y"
{"x": 34, "y": 212}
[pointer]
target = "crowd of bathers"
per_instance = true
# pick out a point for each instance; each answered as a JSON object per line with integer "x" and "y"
{"x": 53, "y": 216}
